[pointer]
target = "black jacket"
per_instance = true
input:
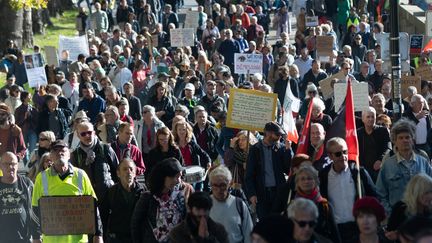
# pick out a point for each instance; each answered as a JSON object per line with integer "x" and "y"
{"x": 61, "y": 117}
{"x": 280, "y": 89}
{"x": 212, "y": 138}
{"x": 116, "y": 209}
{"x": 102, "y": 172}
{"x": 199, "y": 156}
{"x": 156, "y": 155}
{"x": 255, "y": 177}
{"x": 135, "y": 108}
{"x": 367, "y": 186}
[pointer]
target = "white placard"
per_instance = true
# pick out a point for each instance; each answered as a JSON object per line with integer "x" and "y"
{"x": 384, "y": 40}
{"x": 75, "y": 45}
{"x": 35, "y": 70}
{"x": 312, "y": 21}
{"x": 51, "y": 55}
{"x": 192, "y": 18}
{"x": 248, "y": 62}
{"x": 360, "y": 95}
{"x": 182, "y": 37}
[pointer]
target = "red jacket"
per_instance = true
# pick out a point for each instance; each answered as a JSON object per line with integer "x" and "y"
{"x": 131, "y": 152}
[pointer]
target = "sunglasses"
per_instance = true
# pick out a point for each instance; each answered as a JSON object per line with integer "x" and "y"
{"x": 222, "y": 186}
{"x": 43, "y": 139}
{"x": 178, "y": 111}
{"x": 88, "y": 133}
{"x": 303, "y": 224}
{"x": 340, "y": 153}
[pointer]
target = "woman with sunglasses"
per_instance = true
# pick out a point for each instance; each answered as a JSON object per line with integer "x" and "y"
{"x": 45, "y": 140}
{"x": 44, "y": 163}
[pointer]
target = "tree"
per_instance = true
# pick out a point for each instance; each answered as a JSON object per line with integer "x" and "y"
{"x": 16, "y": 21}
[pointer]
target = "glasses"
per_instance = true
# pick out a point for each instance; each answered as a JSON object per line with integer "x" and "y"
{"x": 88, "y": 133}
{"x": 43, "y": 139}
{"x": 178, "y": 111}
{"x": 312, "y": 92}
{"x": 358, "y": 38}
{"x": 340, "y": 153}
{"x": 221, "y": 186}
{"x": 144, "y": 112}
{"x": 303, "y": 224}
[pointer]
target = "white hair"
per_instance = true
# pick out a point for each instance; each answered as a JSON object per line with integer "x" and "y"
{"x": 302, "y": 205}
{"x": 221, "y": 171}
{"x": 367, "y": 110}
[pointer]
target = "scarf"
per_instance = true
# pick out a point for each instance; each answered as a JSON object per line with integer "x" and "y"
{"x": 318, "y": 153}
{"x": 315, "y": 195}
{"x": 169, "y": 214}
{"x": 89, "y": 150}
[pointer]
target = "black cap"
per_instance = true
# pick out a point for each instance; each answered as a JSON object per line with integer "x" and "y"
{"x": 274, "y": 127}
{"x": 59, "y": 144}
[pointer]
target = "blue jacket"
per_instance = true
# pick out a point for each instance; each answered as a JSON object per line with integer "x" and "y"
{"x": 395, "y": 175}
{"x": 92, "y": 107}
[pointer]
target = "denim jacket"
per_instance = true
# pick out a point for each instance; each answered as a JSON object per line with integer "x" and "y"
{"x": 395, "y": 174}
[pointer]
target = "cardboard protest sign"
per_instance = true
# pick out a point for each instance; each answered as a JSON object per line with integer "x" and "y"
{"x": 75, "y": 45}
{"x": 182, "y": 37}
{"x": 416, "y": 44}
{"x": 384, "y": 40}
{"x": 51, "y": 56}
{"x": 325, "y": 84}
{"x": 244, "y": 63}
{"x": 312, "y": 21}
{"x": 250, "y": 109}
{"x": 324, "y": 45}
{"x": 407, "y": 81}
{"x": 35, "y": 70}
{"x": 67, "y": 215}
{"x": 191, "y": 19}
{"x": 360, "y": 95}
{"x": 425, "y": 72}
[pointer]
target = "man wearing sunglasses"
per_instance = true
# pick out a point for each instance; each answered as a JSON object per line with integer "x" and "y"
{"x": 338, "y": 183}
{"x": 304, "y": 214}
{"x": 98, "y": 160}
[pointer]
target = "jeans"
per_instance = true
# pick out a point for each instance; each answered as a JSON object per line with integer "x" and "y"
{"x": 30, "y": 139}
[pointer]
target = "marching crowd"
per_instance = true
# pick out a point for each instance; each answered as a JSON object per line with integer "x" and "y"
{"x": 140, "y": 126}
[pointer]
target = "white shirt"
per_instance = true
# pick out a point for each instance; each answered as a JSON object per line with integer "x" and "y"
{"x": 303, "y": 65}
{"x": 421, "y": 131}
{"x": 341, "y": 194}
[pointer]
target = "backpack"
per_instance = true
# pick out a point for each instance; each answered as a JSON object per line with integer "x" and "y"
{"x": 241, "y": 197}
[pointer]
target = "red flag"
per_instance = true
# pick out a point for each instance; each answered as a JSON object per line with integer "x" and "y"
{"x": 350, "y": 126}
{"x": 428, "y": 47}
{"x": 304, "y": 138}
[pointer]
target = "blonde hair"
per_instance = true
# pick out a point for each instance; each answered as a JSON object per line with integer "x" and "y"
{"x": 189, "y": 131}
{"x": 419, "y": 185}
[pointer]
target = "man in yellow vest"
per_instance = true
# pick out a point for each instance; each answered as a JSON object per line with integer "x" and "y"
{"x": 62, "y": 179}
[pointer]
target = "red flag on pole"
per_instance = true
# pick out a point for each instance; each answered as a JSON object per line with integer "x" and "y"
{"x": 351, "y": 131}
{"x": 304, "y": 138}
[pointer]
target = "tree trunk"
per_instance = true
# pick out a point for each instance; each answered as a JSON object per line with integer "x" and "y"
{"x": 11, "y": 27}
{"x": 38, "y": 27}
{"x": 27, "y": 40}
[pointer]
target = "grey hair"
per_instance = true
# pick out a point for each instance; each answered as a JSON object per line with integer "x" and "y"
{"x": 48, "y": 134}
{"x": 113, "y": 109}
{"x": 318, "y": 103}
{"x": 302, "y": 205}
{"x": 150, "y": 109}
{"x": 412, "y": 90}
{"x": 199, "y": 108}
{"x": 401, "y": 126}
{"x": 417, "y": 97}
{"x": 183, "y": 108}
{"x": 309, "y": 169}
{"x": 221, "y": 171}
{"x": 368, "y": 109}
{"x": 380, "y": 96}
{"x": 335, "y": 141}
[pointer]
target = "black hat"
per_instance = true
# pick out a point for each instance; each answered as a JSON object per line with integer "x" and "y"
{"x": 274, "y": 127}
{"x": 59, "y": 144}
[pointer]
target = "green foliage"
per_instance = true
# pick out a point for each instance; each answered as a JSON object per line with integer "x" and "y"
{"x": 19, "y": 4}
{"x": 63, "y": 25}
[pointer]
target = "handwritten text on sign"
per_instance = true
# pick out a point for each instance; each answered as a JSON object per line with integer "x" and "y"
{"x": 407, "y": 81}
{"x": 72, "y": 215}
{"x": 250, "y": 110}
{"x": 75, "y": 45}
{"x": 182, "y": 37}
{"x": 248, "y": 62}
{"x": 35, "y": 71}
{"x": 360, "y": 95}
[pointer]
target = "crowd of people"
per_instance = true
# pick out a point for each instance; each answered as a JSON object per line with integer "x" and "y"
{"x": 140, "y": 126}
